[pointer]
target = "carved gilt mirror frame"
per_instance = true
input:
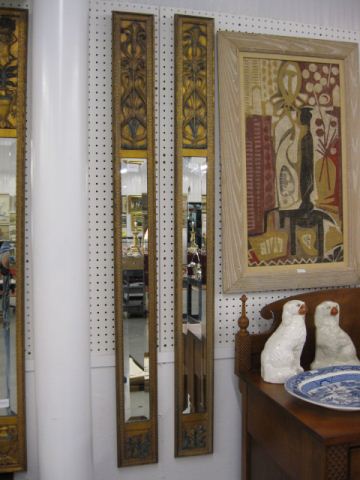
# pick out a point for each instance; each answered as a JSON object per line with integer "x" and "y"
{"x": 134, "y": 237}
{"x": 194, "y": 242}
{"x": 13, "y": 55}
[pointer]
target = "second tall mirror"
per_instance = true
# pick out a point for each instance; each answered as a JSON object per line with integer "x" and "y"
{"x": 194, "y": 205}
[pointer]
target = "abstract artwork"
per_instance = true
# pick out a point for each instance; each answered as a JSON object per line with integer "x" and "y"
{"x": 289, "y": 123}
{"x": 294, "y": 158}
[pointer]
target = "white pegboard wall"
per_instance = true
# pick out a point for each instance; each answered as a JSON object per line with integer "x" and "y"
{"x": 227, "y": 307}
{"x": 28, "y": 330}
{"x": 165, "y": 219}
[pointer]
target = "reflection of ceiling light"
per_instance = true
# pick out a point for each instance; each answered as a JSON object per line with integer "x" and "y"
{"x": 135, "y": 161}
{"x": 7, "y": 142}
{"x": 193, "y": 167}
{"x": 129, "y": 168}
{"x": 132, "y": 167}
{"x": 195, "y": 164}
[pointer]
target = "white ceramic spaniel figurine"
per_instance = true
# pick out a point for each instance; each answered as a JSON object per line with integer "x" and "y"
{"x": 333, "y": 346}
{"x": 280, "y": 358}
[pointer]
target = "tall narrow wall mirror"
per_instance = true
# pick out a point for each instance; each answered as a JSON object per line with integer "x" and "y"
{"x": 134, "y": 237}
{"x": 194, "y": 210}
{"x": 13, "y": 54}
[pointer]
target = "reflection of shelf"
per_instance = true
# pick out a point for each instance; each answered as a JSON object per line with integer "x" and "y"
{"x": 136, "y": 375}
{"x": 134, "y": 292}
{"x": 194, "y": 372}
{"x": 194, "y": 328}
{"x": 133, "y": 263}
{"x": 193, "y": 285}
{"x": 196, "y": 257}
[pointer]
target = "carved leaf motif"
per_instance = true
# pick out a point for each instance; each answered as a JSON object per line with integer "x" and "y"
{"x": 8, "y": 71}
{"x": 133, "y": 85}
{"x": 8, "y": 444}
{"x": 194, "y": 437}
{"x": 138, "y": 446}
{"x": 194, "y": 86}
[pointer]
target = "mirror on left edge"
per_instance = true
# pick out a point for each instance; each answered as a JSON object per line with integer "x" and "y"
{"x": 13, "y": 53}
{"x": 134, "y": 237}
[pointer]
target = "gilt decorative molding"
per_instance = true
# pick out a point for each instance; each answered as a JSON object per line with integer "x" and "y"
{"x": 133, "y": 79}
{"x": 194, "y": 84}
{"x": 9, "y": 445}
{"x": 9, "y": 67}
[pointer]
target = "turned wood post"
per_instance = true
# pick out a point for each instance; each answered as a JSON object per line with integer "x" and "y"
{"x": 242, "y": 342}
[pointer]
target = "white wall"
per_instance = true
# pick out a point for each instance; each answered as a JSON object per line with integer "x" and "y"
{"x": 227, "y": 439}
{"x": 226, "y": 460}
{"x": 344, "y": 14}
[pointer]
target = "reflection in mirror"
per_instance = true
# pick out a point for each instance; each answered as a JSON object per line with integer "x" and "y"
{"x": 135, "y": 276}
{"x": 194, "y": 283}
{"x": 8, "y": 393}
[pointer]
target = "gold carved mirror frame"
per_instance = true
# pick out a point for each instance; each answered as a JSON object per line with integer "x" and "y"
{"x": 13, "y": 55}
{"x": 134, "y": 237}
{"x": 194, "y": 242}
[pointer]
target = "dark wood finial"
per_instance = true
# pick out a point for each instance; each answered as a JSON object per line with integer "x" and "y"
{"x": 243, "y": 320}
{"x": 242, "y": 341}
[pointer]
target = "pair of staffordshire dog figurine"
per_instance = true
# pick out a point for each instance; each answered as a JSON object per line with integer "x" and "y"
{"x": 280, "y": 358}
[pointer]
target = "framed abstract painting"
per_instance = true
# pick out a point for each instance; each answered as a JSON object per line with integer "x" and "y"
{"x": 289, "y": 124}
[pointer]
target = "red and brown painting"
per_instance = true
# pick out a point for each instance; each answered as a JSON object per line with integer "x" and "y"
{"x": 293, "y": 116}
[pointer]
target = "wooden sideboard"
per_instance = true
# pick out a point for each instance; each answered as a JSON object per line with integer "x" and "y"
{"x": 284, "y": 437}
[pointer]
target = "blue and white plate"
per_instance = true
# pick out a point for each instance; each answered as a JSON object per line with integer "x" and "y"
{"x": 332, "y": 387}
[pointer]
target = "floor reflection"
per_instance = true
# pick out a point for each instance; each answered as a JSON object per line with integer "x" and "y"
{"x": 8, "y": 350}
{"x": 194, "y": 344}
{"x": 136, "y": 368}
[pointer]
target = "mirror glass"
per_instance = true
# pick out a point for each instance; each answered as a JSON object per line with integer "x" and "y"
{"x": 8, "y": 391}
{"x": 135, "y": 288}
{"x": 194, "y": 283}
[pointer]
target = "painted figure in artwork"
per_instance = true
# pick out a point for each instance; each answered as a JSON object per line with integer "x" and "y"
{"x": 294, "y": 180}
{"x": 306, "y": 161}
